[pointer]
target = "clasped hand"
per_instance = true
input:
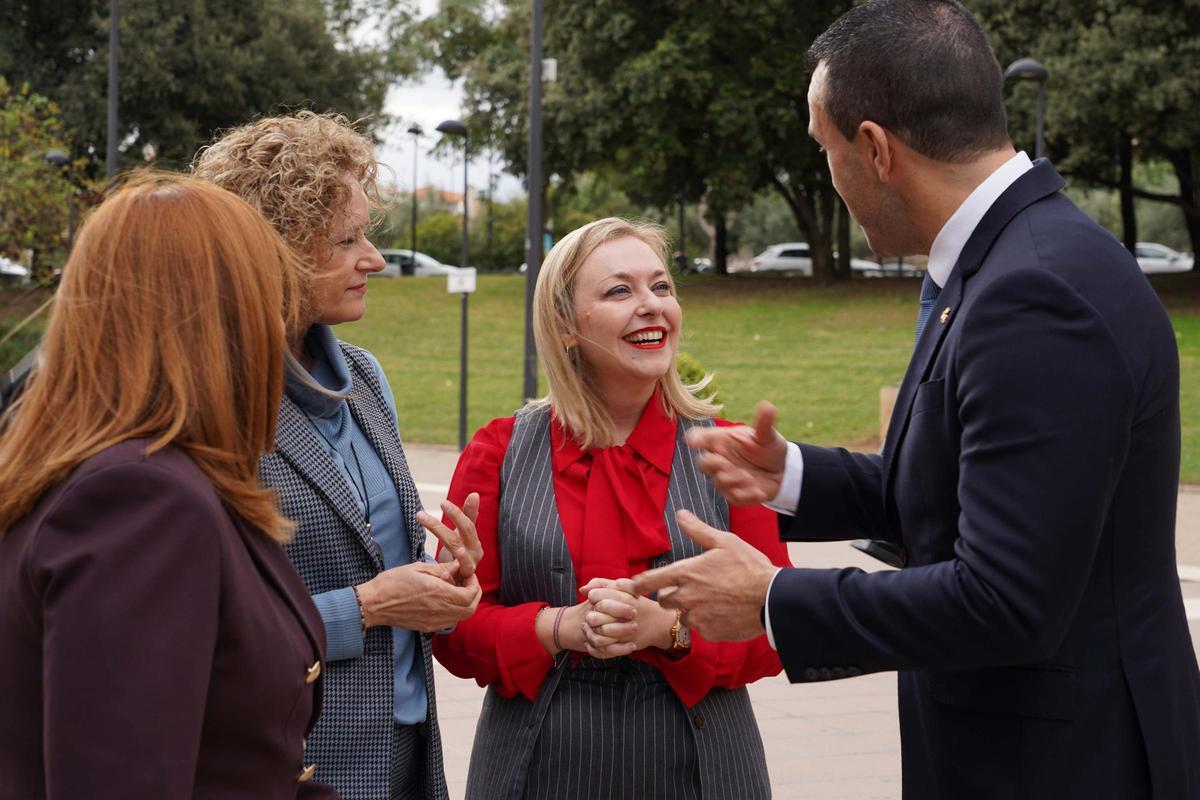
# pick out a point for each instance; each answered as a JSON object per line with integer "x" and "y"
{"x": 430, "y": 597}
{"x": 611, "y": 622}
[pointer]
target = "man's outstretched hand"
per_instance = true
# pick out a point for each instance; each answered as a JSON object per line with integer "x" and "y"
{"x": 745, "y": 463}
{"x": 720, "y": 591}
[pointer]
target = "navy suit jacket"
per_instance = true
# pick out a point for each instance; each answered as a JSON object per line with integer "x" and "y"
{"x": 1030, "y": 475}
{"x": 153, "y": 644}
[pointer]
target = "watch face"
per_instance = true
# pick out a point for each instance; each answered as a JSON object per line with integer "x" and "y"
{"x": 685, "y": 637}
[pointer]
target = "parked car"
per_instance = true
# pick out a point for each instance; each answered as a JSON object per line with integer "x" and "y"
{"x": 1153, "y": 258}
{"x": 401, "y": 262}
{"x": 890, "y": 269}
{"x": 12, "y": 272}
{"x": 785, "y": 257}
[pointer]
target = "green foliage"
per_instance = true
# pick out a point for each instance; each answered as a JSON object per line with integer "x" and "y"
{"x": 669, "y": 99}
{"x": 191, "y": 67}
{"x": 692, "y": 372}
{"x": 34, "y": 195}
{"x": 1119, "y": 73}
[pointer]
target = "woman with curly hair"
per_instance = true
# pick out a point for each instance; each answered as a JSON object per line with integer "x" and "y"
{"x": 340, "y": 471}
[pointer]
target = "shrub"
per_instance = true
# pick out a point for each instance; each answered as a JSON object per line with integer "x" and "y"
{"x": 692, "y": 372}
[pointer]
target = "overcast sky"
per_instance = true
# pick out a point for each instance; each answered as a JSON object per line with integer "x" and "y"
{"x": 427, "y": 102}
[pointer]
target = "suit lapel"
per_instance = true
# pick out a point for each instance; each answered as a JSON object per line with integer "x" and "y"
{"x": 296, "y": 443}
{"x": 1034, "y": 185}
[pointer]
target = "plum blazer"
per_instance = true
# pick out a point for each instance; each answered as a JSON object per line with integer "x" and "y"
{"x": 1030, "y": 475}
{"x": 154, "y": 645}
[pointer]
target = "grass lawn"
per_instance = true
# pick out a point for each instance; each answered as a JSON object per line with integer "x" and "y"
{"x": 820, "y": 354}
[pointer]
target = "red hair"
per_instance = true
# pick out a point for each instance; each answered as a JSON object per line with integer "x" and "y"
{"x": 167, "y": 325}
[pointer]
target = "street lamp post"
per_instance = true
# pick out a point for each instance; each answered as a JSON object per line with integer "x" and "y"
{"x": 1029, "y": 69}
{"x": 113, "y": 59}
{"x": 416, "y": 132}
{"x": 533, "y": 176}
{"x": 453, "y": 127}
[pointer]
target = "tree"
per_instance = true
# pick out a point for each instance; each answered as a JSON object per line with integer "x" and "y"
{"x": 191, "y": 67}
{"x": 1121, "y": 89}
{"x": 35, "y": 196}
{"x": 693, "y": 99}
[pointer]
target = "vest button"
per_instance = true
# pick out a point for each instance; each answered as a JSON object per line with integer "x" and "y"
{"x": 699, "y": 721}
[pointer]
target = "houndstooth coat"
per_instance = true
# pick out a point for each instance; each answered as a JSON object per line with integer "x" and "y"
{"x": 352, "y": 741}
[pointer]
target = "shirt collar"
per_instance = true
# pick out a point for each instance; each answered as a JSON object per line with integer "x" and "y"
{"x": 328, "y": 370}
{"x": 653, "y": 439}
{"x": 953, "y": 236}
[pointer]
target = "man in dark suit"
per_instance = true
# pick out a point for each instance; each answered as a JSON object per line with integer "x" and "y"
{"x": 1030, "y": 469}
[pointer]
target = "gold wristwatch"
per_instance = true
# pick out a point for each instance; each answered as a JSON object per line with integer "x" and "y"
{"x": 681, "y": 636}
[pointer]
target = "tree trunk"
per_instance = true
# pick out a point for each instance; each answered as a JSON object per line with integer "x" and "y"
{"x": 1128, "y": 215}
{"x": 1187, "y": 170}
{"x": 814, "y": 217}
{"x": 720, "y": 253}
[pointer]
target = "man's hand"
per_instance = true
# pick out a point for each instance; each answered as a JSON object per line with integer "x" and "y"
{"x": 746, "y": 464}
{"x": 720, "y": 591}
{"x": 462, "y": 543}
{"x": 419, "y": 597}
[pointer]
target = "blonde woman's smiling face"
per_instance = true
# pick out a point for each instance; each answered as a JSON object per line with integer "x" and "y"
{"x": 343, "y": 264}
{"x": 627, "y": 317}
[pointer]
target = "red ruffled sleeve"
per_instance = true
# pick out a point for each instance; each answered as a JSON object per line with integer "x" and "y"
{"x": 497, "y": 646}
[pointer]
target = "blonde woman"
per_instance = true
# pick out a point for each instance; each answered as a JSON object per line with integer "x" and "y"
{"x": 156, "y": 641}
{"x": 593, "y": 692}
{"x": 340, "y": 471}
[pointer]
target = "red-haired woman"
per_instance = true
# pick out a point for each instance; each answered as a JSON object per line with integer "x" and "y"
{"x": 156, "y": 640}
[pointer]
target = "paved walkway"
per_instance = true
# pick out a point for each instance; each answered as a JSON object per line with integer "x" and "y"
{"x": 836, "y": 739}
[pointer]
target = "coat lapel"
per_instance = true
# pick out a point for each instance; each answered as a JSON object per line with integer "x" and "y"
{"x": 296, "y": 442}
{"x": 376, "y": 422}
{"x": 1034, "y": 185}
{"x": 278, "y": 573}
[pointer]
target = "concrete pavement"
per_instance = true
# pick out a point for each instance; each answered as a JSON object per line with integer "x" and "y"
{"x": 836, "y": 739}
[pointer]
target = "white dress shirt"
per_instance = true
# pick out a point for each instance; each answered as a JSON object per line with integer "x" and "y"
{"x": 943, "y": 255}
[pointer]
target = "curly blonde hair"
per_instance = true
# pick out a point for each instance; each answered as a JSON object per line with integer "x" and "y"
{"x": 292, "y": 169}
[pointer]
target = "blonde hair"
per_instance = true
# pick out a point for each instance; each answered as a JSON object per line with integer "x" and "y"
{"x": 578, "y": 403}
{"x": 166, "y": 326}
{"x": 293, "y": 169}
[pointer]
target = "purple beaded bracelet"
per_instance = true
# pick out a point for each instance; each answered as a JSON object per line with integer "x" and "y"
{"x": 557, "y": 619}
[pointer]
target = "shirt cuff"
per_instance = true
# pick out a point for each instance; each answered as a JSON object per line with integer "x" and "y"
{"x": 767, "y": 609}
{"x": 788, "y": 498}
{"x": 343, "y": 623}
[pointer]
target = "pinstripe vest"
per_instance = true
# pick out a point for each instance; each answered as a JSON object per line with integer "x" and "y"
{"x": 536, "y": 566}
{"x": 332, "y": 549}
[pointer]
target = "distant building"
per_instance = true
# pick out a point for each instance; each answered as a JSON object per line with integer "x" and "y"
{"x": 454, "y": 200}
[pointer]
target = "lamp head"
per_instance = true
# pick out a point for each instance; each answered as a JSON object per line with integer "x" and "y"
{"x": 452, "y": 127}
{"x": 1026, "y": 69}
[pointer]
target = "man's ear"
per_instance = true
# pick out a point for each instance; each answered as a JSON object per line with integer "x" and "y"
{"x": 875, "y": 149}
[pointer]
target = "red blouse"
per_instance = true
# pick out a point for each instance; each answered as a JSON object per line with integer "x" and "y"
{"x": 498, "y": 646}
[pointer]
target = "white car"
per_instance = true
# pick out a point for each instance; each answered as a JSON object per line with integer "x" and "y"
{"x": 1154, "y": 258}
{"x": 785, "y": 257}
{"x": 892, "y": 269}
{"x": 401, "y": 262}
{"x": 12, "y": 272}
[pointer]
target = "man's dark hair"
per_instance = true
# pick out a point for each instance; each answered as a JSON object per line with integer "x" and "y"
{"x": 923, "y": 69}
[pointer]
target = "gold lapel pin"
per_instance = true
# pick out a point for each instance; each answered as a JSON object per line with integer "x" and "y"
{"x": 945, "y": 315}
